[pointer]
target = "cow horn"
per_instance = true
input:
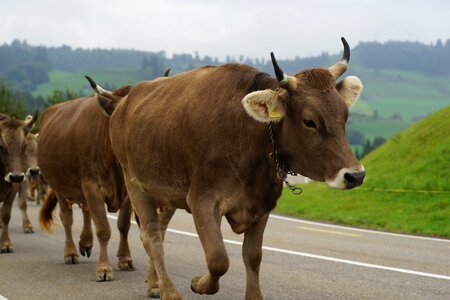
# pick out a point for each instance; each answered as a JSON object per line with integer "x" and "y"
{"x": 166, "y": 73}
{"x": 341, "y": 66}
{"x": 31, "y": 119}
{"x": 286, "y": 81}
{"x": 98, "y": 89}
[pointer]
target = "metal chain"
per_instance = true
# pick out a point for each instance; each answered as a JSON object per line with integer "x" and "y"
{"x": 282, "y": 169}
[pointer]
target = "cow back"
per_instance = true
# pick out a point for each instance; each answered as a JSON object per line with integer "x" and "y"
{"x": 74, "y": 147}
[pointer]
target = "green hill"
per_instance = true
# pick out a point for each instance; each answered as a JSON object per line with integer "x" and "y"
{"x": 61, "y": 80}
{"x": 417, "y": 159}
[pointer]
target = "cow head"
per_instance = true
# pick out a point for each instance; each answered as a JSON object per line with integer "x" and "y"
{"x": 13, "y": 146}
{"x": 311, "y": 109}
{"x": 31, "y": 163}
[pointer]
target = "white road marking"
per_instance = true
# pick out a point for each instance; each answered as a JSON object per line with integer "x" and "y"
{"x": 3, "y": 298}
{"x": 309, "y": 255}
{"x": 359, "y": 229}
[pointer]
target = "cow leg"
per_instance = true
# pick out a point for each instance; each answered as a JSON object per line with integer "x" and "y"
{"x": 86, "y": 237}
{"x": 164, "y": 219}
{"x": 26, "y": 224}
{"x": 5, "y": 214}
{"x": 96, "y": 206}
{"x": 66, "y": 215}
{"x": 207, "y": 222}
{"x": 152, "y": 277}
{"x": 252, "y": 254}
{"x": 31, "y": 184}
{"x": 150, "y": 235}
{"x": 123, "y": 224}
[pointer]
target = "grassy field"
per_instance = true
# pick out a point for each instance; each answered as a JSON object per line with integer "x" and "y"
{"x": 389, "y": 92}
{"x": 406, "y": 212}
{"x": 384, "y": 127}
{"x": 76, "y": 81}
{"x": 407, "y": 187}
{"x": 417, "y": 158}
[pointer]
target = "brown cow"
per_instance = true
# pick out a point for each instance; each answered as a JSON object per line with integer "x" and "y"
{"x": 36, "y": 185}
{"x": 12, "y": 160}
{"x": 200, "y": 141}
{"x": 76, "y": 160}
{"x": 32, "y": 177}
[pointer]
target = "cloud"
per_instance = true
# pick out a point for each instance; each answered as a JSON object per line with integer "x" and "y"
{"x": 252, "y": 28}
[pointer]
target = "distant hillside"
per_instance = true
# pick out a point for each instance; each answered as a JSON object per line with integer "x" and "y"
{"x": 417, "y": 158}
{"x": 403, "y": 81}
{"x": 19, "y": 57}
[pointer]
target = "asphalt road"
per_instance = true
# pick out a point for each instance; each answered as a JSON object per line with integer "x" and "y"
{"x": 302, "y": 260}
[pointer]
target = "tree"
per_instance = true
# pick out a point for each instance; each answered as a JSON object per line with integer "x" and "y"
{"x": 375, "y": 115}
{"x": 357, "y": 154}
{"x": 12, "y": 102}
{"x": 366, "y": 149}
{"x": 377, "y": 142}
{"x": 60, "y": 96}
{"x": 355, "y": 137}
{"x": 369, "y": 147}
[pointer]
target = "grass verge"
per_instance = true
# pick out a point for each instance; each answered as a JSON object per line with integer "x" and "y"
{"x": 404, "y": 212}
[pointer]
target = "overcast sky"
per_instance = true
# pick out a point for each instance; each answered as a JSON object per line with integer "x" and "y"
{"x": 217, "y": 28}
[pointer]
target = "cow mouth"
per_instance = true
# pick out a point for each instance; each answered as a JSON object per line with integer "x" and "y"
{"x": 33, "y": 172}
{"x": 347, "y": 179}
{"x": 15, "y": 177}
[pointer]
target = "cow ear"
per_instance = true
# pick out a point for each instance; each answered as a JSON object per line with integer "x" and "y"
{"x": 107, "y": 104}
{"x": 264, "y": 106}
{"x": 350, "y": 88}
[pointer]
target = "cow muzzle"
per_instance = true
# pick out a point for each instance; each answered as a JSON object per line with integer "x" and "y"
{"x": 15, "y": 177}
{"x": 347, "y": 179}
{"x": 354, "y": 179}
{"x": 33, "y": 171}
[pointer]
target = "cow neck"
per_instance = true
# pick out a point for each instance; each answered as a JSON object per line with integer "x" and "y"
{"x": 281, "y": 167}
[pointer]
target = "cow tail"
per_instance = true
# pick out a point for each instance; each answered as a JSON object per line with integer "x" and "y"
{"x": 46, "y": 212}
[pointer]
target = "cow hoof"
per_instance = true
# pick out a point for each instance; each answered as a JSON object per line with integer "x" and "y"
{"x": 103, "y": 276}
{"x": 171, "y": 296}
{"x": 86, "y": 250}
{"x": 71, "y": 259}
{"x": 201, "y": 287}
{"x": 6, "y": 249}
{"x": 154, "y": 293}
{"x": 28, "y": 229}
{"x": 126, "y": 265}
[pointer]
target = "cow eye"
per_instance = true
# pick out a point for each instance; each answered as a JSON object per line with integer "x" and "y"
{"x": 309, "y": 123}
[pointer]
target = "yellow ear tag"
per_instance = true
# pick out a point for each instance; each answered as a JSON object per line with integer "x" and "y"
{"x": 273, "y": 109}
{"x": 347, "y": 101}
{"x": 274, "y": 114}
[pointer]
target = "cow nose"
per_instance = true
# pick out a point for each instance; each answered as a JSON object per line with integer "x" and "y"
{"x": 354, "y": 179}
{"x": 34, "y": 171}
{"x": 15, "y": 177}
